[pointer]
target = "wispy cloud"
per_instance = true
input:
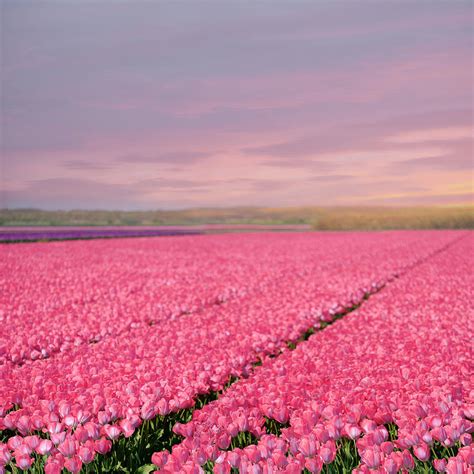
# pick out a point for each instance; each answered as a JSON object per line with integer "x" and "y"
{"x": 172, "y": 157}
{"x": 85, "y": 165}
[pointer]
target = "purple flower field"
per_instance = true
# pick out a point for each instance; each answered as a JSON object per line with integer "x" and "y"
{"x": 64, "y": 233}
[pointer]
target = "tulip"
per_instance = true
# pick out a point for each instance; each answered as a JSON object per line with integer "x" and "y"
{"x": 314, "y": 465}
{"x": 327, "y": 453}
{"x": 103, "y": 445}
{"x": 307, "y": 447}
{"x": 439, "y": 434}
{"x": 127, "y": 428}
{"x": 44, "y": 447}
{"x": 5, "y": 455}
{"x": 58, "y": 438}
{"x": 92, "y": 430}
{"x": 52, "y": 468}
{"x": 112, "y": 431}
{"x": 390, "y": 466}
{"x": 422, "y": 452}
{"x": 371, "y": 457}
{"x": 353, "y": 431}
{"x": 407, "y": 460}
{"x": 67, "y": 448}
{"x": 159, "y": 459}
{"x": 32, "y": 442}
{"x": 73, "y": 464}
{"x": 440, "y": 465}
{"x": 14, "y": 442}
{"x": 86, "y": 455}
{"x": 24, "y": 461}
{"x": 456, "y": 466}
{"x": 387, "y": 447}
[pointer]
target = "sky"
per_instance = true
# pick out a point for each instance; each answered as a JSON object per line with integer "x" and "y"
{"x": 140, "y": 105}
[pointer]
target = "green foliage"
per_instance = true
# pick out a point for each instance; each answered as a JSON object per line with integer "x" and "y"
{"x": 319, "y": 218}
{"x": 131, "y": 455}
{"x": 242, "y": 440}
{"x": 274, "y": 427}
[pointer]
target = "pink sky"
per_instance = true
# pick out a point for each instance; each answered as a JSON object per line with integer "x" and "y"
{"x": 162, "y": 105}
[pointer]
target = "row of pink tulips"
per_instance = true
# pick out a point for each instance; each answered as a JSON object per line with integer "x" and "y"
{"x": 402, "y": 360}
{"x": 58, "y": 295}
{"x": 90, "y": 395}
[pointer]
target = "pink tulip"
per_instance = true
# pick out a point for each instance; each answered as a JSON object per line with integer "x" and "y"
{"x": 73, "y": 464}
{"x": 52, "y": 468}
{"x": 467, "y": 453}
{"x": 314, "y": 465}
{"x": 24, "y": 461}
{"x": 67, "y": 448}
{"x": 440, "y": 465}
{"x": 371, "y": 457}
{"x": 368, "y": 425}
{"x": 92, "y": 430}
{"x": 353, "y": 431}
{"x": 58, "y": 438}
{"x": 163, "y": 407}
{"x": 23, "y": 425}
{"x": 159, "y": 459}
{"x": 103, "y": 445}
{"x": 407, "y": 460}
{"x": 80, "y": 434}
{"x": 5, "y": 455}
{"x": 127, "y": 428}
{"x": 14, "y": 442}
{"x": 44, "y": 447}
{"x": 32, "y": 442}
{"x": 112, "y": 431}
{"x": 86, "y": 455}
{"x": 422, "y": 452}
{"x": 439, "y": 434}
{"x": 327, "y": 453}
{"x": 390, "y": 466}
{"x": 456, "y": 466}
{"x": 307, "y": 447}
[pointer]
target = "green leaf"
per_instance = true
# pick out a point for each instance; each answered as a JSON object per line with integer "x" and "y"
{"x": 146, "y": 469}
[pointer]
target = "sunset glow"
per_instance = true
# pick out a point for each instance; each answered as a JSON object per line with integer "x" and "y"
{"x": 162, "y": 105}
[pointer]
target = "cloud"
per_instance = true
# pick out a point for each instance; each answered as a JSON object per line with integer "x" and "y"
{"x": 425, "y": 199}
{"x": 171, "y": 184}
{"x": 443, "y": 162}
{"x": 85, "y": 165}
{"x": 74, "y": 193}
{"x": 172, "y": 157}
{"x": 298, "y": 162}
{"x": 331, "y": 178}
{"x": 372, "y": 135}
{"x": 459, "y": 156}
{"x": 431, "y": 135}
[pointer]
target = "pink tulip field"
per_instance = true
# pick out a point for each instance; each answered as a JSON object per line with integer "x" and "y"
{"x": 252, "y": 353}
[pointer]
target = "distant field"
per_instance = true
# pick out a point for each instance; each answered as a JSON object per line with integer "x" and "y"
{"x": 31, "y": 233}
{"x": 318, "y": 218}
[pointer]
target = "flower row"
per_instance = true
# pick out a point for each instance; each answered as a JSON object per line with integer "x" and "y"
{"x": 57, "y": 296}
{"x": 389, "y": 385}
